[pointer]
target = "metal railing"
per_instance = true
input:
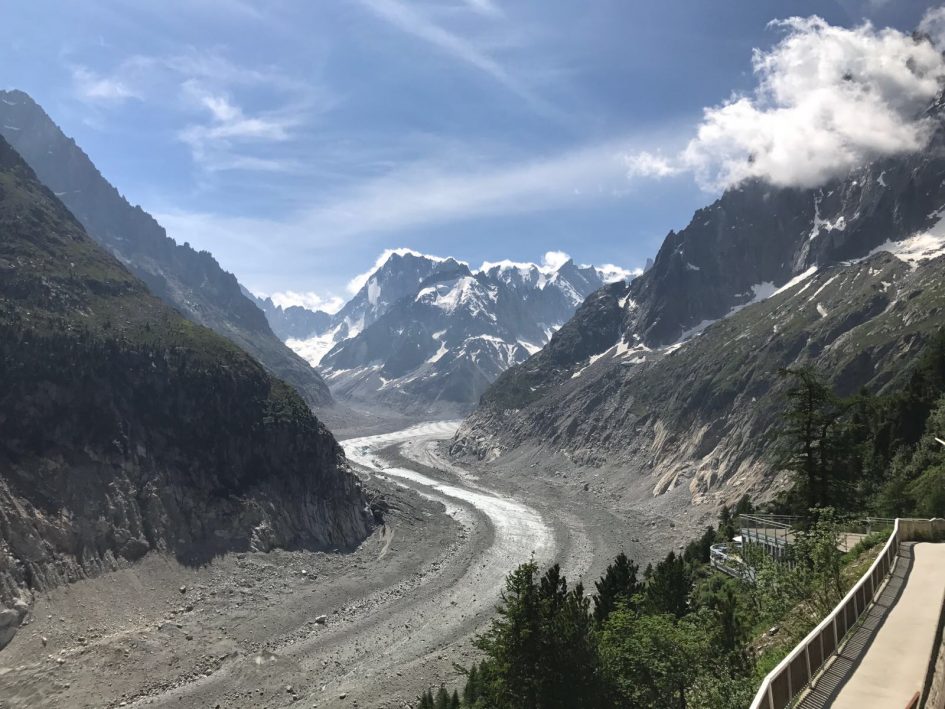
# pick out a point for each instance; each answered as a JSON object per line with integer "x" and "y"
{"x": 725, "y": 558}
{"x": 795, "y": 671}
{"x": 773, "y": 533}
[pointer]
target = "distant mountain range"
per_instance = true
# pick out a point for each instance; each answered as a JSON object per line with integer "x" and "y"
{"x": 430, "y": 334}
{"x": 672, "y": 379}
{"x": 191, "y": 281}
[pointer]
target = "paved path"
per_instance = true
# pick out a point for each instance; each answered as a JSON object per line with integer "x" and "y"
{"x": 886, "y": 659}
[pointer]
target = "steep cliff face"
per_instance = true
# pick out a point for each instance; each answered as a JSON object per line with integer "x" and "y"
{"x": 126, "y": 428}
{"x": 752, "y": 240}
{"x": 191, "y": 281}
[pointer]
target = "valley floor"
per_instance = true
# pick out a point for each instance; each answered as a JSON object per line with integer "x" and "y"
{"x": 245, "y": 630}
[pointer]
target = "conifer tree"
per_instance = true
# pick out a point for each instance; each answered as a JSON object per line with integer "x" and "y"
{"x": 619, "y": 584}
{"x": 669, "y": 586}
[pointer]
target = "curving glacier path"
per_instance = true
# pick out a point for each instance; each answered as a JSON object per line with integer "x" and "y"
{"x": 519, "y": 531}
{"x": 406, "y": 610}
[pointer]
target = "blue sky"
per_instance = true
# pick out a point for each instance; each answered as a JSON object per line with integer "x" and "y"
{"x": 297, "y": 140}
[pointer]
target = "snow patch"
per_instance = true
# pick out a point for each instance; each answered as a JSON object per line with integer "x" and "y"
{"x": 439, "y": 353}
{"x": 926, "y": 245}
{"x": 839, "y": 224}
{"x": 530, "y": 347}
{"x": 591, "y": 360}
{"x": 374, "y": 291}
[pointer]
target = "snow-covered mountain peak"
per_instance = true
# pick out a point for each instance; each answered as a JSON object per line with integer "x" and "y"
{"x": 424, "y": 329}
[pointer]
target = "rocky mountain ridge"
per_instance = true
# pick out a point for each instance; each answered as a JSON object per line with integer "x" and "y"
{"x": 673, "y": 376}
{"x": 191, "y": 281}
{"x": 430, "y": 334}
{"x": 126, "y": 428}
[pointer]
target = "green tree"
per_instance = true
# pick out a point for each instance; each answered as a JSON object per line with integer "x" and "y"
{"x": 471, "y": 691}
{"x": 426, "y": 700}
{"x": 619, "y": 584}
{"x": 698, "y": 550}
{"x": 540, "y": 648}
{"x": 725, "y": 598}
{"x": 652, "y": 660}
{"x": 812, "y": 448}
{"x": 442, "y": 699}
{"x": 669, "y": 586}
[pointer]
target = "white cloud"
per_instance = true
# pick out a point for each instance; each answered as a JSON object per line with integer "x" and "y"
{"x": 612, "y": 273}
{"x": 485, "y": 7}
{"x": 434, "y": 194}
{"x": 553, "y": 260}
{"x": 828, "y": 99}
{"x": 410, "y": 20}
{"x": 202, "y": 88}
{"x": 306, "y": 299}
{"x": 933, "y": 25}
{"x": 418, "y": 196}
{"x": 94, "y": 88}
{"x": 213, "y": 144}
{"x": 647, "y": 164}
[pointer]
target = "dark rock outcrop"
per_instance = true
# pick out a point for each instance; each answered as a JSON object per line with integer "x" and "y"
{"x": 192, "y": 281}
{"x": 126, "y": 428}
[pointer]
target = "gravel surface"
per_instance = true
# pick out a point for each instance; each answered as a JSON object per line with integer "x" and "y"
{"x": 369, "y": 629}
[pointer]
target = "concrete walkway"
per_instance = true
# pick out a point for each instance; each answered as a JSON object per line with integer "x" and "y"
{"x": 894, "y": 664}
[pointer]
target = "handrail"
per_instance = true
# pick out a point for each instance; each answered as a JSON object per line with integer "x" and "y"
{"x": 795, "y": 671}
{"x": 773, "y": 521}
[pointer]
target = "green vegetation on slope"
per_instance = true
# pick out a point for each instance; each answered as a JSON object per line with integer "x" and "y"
{"x": 679, "y": 635}
{"x": 683, "y": 635}
{"x": 868, "y": 452}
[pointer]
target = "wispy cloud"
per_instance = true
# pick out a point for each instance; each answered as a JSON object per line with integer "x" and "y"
{"x": 305, "y": 299}
{"x": 213, "y": 144}
{"x": 420, "y": 196}
{"x": 412, "y": 21}
{"x": 485, "y": 7}
{"x": 203, "y": 88}
{"x": 94, "y": 88}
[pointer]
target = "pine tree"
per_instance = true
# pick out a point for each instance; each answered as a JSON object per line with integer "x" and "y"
{"x": 471, "y": 690}
{"x": 442, "y": 699}
{"x": 669, "y": 587}
{"x": 811, "y": 448}
{"x": 619, "y": 584}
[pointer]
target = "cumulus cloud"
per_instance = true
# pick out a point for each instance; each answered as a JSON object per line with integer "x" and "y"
{"x": 933, "y": 26}
{"x": 553, "y": 260}
{"x": 612, "y": 273}
{"x": 828, "y": 99}
{"x": 306, "y": 299}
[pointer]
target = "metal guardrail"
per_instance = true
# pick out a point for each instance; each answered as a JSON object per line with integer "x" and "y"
{"x": 722, "y": 557}
{"x": 794, "y": 672}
